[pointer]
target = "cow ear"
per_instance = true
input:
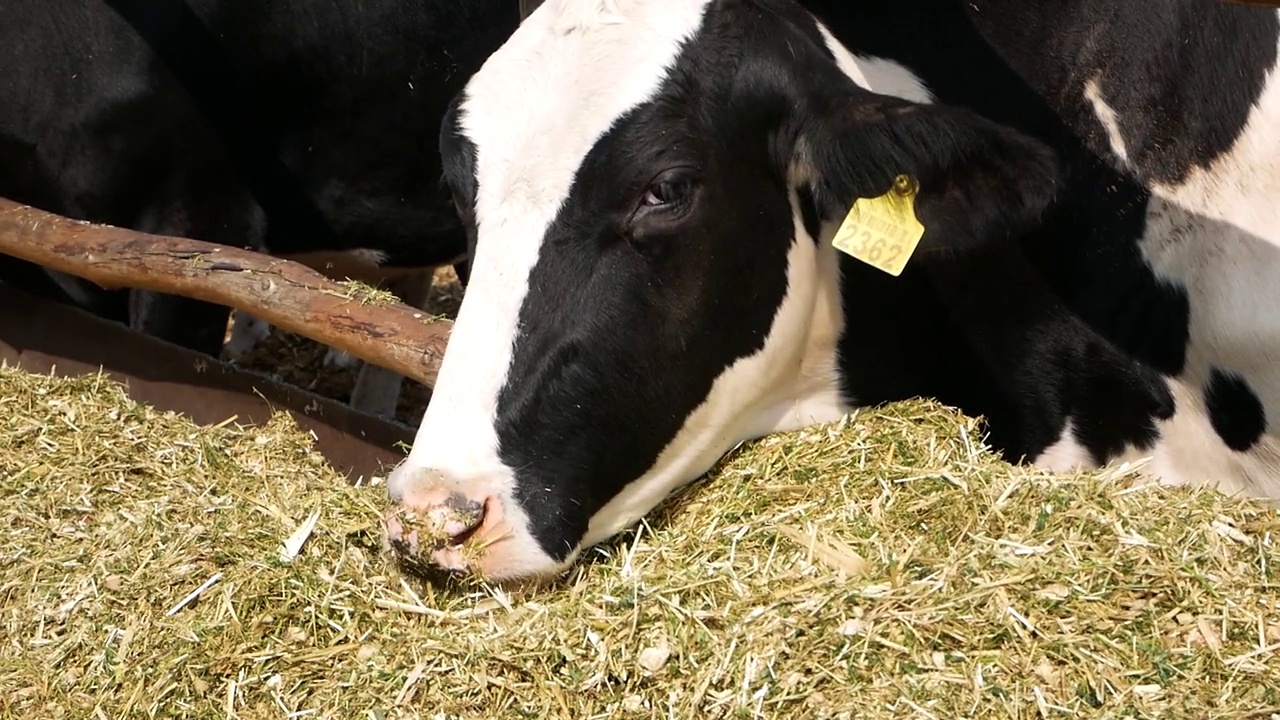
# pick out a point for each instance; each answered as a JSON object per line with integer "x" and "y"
{"x": 975, "y": 182}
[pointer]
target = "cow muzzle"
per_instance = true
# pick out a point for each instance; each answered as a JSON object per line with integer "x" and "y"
{"x": 432, "y": 523}
{"x": 436, "y": 523}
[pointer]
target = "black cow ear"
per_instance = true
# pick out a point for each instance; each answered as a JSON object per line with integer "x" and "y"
{"x": 968, "y": 181}
{"x": 458, "y": 159}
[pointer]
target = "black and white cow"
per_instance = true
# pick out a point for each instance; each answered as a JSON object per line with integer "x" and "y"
{"x": 1164, "y": 236}
{"x": 306, "y": 130}
{"x": 653, "y": 188}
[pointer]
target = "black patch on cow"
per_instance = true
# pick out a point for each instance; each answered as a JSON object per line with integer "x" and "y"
{"x": 1053, "y": 364}
{"x": 619, "y": 344}
{"x": 1087, "y": 249}
{"x": 987, "y": 335}
{"x": 1115, "y": 402}
{"x": 458, "y": 176}
{"x": 1181, "y": 76}
{"x": 1235, "y": 411}
{"x": 234, "y": 106}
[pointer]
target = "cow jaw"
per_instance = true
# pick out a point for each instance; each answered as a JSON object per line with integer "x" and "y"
{"x": 790, "y": 383}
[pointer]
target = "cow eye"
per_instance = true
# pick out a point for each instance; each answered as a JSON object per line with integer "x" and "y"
{"x": 661, "y": 194}
{"x": 670, "y": 188}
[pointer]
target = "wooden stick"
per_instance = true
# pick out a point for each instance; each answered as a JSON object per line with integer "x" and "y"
{"x": 286, "y": 294}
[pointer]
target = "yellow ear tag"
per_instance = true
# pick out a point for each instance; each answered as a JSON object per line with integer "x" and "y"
{"x": 883, "y": 232}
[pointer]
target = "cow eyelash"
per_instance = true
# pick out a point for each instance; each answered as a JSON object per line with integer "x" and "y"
{"x": 665, "y": 193}
{"x": 671, "y": 189}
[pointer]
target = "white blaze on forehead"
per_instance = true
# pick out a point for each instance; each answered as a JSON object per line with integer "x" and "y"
{"x": 534, "y": 111}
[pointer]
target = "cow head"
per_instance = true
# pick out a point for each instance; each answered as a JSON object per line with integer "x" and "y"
{"x": 652, "y": 187}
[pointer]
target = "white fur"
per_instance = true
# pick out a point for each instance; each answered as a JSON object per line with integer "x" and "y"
{"x": 1190, "y": 452}
{"x": 845, "y": 60}
{"x": 1066, "y": 454}
{"x": 1107, "y": 117}
{"x": 889, "y": 78}
{"x": 873, "y": 73}
{"x": 1232, "y": 281}
{"x": 570, "y": 15}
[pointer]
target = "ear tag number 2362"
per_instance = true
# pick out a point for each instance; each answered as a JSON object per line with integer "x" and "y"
{"x": 883, "y": 232}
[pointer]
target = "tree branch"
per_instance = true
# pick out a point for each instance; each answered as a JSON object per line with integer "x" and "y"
{"x": 286, "y": 294}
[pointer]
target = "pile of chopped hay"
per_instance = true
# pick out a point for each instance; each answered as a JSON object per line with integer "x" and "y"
{"x": 882, "y": 567}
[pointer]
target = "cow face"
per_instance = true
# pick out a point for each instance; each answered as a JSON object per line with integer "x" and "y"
{"x": 652, "y": 188}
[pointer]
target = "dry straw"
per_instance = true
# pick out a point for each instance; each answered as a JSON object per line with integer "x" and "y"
{"x": 883, "y": 567}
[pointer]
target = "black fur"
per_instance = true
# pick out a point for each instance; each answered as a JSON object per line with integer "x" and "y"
{"x": 1234, "y": 410}
{"x": 979, "y": 183}
{"x": 1181, "y": 75}
{"x": 283, "y": 127}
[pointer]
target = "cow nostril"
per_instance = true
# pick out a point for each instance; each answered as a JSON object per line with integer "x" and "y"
{"x": 432, "y": 518}
{"x": 439, "y": 520}
{"x": 463, "y": 516}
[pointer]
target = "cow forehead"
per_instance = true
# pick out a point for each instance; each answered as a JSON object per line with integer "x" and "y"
{"x": 539, "y": 104}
